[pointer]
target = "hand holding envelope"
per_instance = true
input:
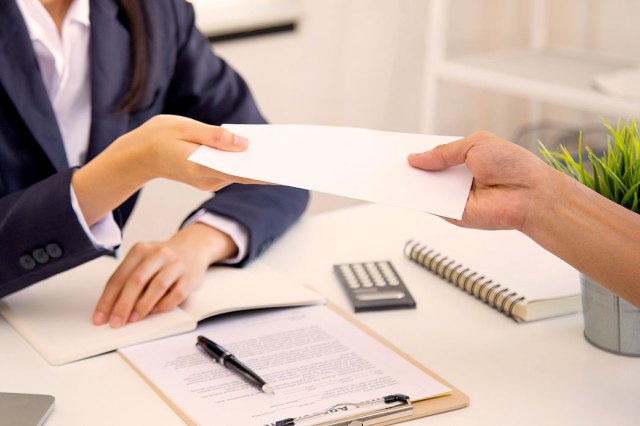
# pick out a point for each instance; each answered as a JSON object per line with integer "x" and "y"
{"x": 364, "y": 164}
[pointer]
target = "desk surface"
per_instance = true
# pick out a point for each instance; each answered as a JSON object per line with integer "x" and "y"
{"x": 528, "y": 374}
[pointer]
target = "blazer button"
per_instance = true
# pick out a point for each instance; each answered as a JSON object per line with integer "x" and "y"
{"x": 54, "y": 250}
{"x": 27, "y": 262}
{"x": 40, "y": 255}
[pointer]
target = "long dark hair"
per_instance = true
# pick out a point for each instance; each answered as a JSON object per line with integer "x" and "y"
{"x": 137, "y": 14}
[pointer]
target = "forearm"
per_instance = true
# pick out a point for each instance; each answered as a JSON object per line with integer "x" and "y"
{"x": 158, "y": 148}
{"x": 106, "y": 182}
{"x": 596, "y": 236}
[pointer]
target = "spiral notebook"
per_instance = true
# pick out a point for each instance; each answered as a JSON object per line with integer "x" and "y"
{"x": 505, "y": 270}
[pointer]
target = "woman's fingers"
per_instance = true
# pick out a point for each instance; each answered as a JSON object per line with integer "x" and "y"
{"x": 135, "y": 285}
{"x": 153, "y": 277}
{"x": 161, "y": 285}
{"x": 176, "y": 295}
{"x": 205, "y": 134}
{"x": 143, "y": 278}
{"x": 116, "y": 282}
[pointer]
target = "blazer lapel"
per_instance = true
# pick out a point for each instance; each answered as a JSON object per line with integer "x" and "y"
{"x": 21, "y": 79}
{"x": 110, "y": 70}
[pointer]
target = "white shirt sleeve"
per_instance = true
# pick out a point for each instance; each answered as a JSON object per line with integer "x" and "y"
{"x": 238, "y": 232}
{"x": 103, "y": 234}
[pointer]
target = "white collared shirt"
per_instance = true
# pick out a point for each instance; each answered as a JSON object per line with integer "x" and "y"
{"x": 64, "y": 65}
{"x": 64, "y": 62}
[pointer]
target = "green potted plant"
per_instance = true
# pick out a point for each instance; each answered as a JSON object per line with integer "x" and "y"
{"x": 610, "y": 322}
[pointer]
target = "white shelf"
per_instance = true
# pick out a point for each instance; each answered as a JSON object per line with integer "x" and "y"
{"x": 561, "y": 78}
{"x": 536, "y": 73}
{"x": 216, "y": 17}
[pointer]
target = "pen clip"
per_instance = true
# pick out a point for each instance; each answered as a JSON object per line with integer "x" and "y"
{"x": 396, "y": 397}
{"x": 215, "y": 351}
{"x": 204, "y": 350}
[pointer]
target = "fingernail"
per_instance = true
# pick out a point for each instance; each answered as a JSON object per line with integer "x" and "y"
{"x": 134, "y": 317}
{"x": 115, "y": 321}
{"x": 99, "y": 318}
{"x": 240, "y": 142}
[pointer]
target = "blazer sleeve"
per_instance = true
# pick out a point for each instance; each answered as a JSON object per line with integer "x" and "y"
{"x": 40, "y": 234}
{"x": 206, "y": 88}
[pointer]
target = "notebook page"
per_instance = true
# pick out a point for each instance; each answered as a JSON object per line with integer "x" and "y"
{"x": 55, "y": 316}
{"x": 228, "y": 289}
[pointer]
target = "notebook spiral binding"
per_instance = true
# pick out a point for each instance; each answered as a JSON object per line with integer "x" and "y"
{"x": 495, "y": 295}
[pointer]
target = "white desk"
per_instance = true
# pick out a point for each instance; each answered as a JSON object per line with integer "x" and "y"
{"x": 526, "y": 374}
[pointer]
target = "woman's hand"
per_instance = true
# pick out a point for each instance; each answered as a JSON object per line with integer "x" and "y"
{"x": 163, "y": 144}
{"x": 158, "y": 148}
{"x": 156, "y": 277}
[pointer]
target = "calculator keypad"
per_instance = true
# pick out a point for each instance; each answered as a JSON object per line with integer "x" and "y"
{"x": 373, "y": 286}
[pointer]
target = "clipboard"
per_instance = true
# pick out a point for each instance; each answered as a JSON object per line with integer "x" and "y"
{"x": 390, "y": 407}
{"x": 401, "y": 409}
{"x": 454, "y": 400}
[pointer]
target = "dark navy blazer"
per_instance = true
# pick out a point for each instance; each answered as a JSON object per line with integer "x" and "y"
{"x": 39, "y": 232}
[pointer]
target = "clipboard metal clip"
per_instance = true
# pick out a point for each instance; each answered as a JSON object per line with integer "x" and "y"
{"x": 394, "y": 407}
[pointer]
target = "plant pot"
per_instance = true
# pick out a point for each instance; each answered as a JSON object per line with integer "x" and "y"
{"x": 610, "y": 322}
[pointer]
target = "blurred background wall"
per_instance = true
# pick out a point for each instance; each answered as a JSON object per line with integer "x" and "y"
{"x": 371, "y": 63}
{"x": 366, "y": 63}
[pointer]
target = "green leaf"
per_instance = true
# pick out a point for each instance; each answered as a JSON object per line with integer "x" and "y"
{"x": 630, "y": 193}
{"x": 615, "y": 173}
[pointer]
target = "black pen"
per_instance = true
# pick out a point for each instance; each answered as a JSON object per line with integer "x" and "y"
{"x": 228, "y": 360}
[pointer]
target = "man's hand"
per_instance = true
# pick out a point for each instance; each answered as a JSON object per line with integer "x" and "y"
{"x": 507, "y": 179}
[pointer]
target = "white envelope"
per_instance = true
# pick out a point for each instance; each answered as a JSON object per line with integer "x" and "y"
{"x": 364, "y": 164}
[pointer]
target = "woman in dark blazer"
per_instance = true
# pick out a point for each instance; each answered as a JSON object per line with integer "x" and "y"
{"x": 154, "y": 83}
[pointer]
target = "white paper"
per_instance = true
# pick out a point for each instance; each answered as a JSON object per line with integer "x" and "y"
{"x": 310, "y": 356}
{"x": 357, "y": 163}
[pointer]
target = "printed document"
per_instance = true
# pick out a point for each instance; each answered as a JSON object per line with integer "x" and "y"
{"x": 311, "y": 356}
{"x": 364, "y": 164}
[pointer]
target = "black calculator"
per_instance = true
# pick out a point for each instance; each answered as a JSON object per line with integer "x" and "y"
{"x": 373, "y": 286}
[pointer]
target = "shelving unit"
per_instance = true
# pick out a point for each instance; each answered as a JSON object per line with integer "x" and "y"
{"x": 223, "y": 17}
{"x": 537, "y": 73}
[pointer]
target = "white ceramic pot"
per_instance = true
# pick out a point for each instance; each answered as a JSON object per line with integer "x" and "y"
{"x": 610, "y": 322}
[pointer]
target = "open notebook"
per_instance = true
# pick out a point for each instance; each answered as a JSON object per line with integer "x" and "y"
{"x": 505, "y": 269}
{"x": 54, "y": 316}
